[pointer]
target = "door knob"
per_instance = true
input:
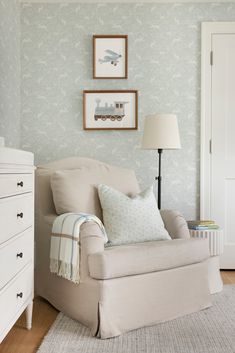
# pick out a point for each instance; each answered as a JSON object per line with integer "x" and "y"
{"x": 20, "y": 215}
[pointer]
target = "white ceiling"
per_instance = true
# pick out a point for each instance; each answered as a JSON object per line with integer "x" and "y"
{"x": 123, "y": 1}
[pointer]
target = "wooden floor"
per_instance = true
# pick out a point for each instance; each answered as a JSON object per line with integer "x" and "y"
{"x": 19, "y": 340}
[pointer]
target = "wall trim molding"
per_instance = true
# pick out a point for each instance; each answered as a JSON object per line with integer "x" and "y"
{"x": 207, "y": 30}
{"x": 125, "y": 1}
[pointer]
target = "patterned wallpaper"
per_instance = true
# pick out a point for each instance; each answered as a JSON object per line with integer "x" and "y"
{"x": 164, "y": 65}
{"x": 10, "y": 72}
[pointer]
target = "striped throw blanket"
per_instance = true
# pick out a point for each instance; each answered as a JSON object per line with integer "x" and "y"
{"x": 64, "y": 252}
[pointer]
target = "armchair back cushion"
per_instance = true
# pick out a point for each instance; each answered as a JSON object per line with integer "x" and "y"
{"x": 76, "y": 190}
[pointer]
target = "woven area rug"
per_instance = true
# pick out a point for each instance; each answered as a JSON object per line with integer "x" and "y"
{"x": 209, "y": 331}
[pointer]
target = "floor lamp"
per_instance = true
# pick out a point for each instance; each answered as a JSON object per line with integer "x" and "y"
{"x": 161, "y": 132}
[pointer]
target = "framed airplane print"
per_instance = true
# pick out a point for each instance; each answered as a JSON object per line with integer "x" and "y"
{"x": 110, "y": 110}
{"x": 110, "y": 56}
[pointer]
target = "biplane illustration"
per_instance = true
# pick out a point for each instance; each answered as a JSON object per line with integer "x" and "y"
{"x": 111, "y": 58}
{"x": 113, "y": 112}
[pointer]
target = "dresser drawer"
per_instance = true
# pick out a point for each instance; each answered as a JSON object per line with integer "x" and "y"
{"x": 16, "y": 215}
{"x": 15, "y": 254}
{"x": 14, "y": 295}
{"x": 13, "y": 184}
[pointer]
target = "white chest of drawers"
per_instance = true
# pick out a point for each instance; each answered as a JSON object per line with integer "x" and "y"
{"x": 16, "y": 237}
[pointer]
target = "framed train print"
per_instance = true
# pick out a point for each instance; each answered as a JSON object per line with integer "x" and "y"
{"x": 110, "y": 110}
{"x": 110, "y": 56}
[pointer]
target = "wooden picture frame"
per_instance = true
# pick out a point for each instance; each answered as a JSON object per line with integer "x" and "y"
{"x": 110, "y": 56}
{"x": 110, "y": 110}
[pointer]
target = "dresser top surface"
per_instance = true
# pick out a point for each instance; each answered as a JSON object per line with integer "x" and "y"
{"x": 15, "y": 158}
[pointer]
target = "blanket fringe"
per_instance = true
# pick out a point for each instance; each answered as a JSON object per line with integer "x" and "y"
{"x": 65, "y": 270}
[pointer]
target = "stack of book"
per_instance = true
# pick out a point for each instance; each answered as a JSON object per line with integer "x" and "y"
{"x": 202, "y": 225}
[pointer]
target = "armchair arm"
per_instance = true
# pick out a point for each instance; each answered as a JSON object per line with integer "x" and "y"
{"x": 175, "y": 224}
{"x": 91, "y": 241}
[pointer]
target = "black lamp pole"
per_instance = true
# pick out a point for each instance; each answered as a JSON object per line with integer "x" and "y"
{"x": 159, "y": 178}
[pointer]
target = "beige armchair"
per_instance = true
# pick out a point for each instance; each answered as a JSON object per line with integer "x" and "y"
{"x": 122, "y": 287}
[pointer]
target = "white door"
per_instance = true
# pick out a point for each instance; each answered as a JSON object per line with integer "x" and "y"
{"x": 222, "y": 136}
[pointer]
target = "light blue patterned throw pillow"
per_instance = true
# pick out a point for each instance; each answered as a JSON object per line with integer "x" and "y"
{"x": 131, "y": 220}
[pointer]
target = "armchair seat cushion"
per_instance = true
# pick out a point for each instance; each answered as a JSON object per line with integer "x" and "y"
{"x": 140, "y": 258}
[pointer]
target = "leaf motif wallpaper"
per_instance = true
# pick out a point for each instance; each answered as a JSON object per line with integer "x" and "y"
{"x": 164, "y": 66}
{"x": 10, "y": 72}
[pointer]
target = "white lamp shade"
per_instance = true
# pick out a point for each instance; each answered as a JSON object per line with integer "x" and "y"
{"x": 161, "y": 132}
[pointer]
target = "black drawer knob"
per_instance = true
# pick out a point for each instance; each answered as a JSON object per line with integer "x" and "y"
{"x": 20, "y": 215}
{"x": 21, "y": 184}
{"x": 19, "y": 295}
{"x": 20, "y": 254}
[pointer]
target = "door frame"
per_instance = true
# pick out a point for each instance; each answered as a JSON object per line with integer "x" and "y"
{"x": 207, "y": 31}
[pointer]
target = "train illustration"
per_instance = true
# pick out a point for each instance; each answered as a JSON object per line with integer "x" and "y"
{"x": 115, "y": 111}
